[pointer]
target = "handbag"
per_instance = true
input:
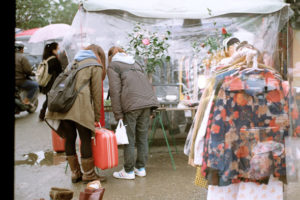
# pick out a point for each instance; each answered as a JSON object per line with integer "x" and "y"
{"x": 200, "y": 180}
{"x": 92, "y": 194}
{"x": 121, "y": 133}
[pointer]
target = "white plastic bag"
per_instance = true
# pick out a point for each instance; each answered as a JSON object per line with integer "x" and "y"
{"x": 121, "y": 133}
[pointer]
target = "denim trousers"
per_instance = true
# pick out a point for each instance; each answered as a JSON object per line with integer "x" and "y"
{"x": 137, "y": 126}
{"x": 31, "y": 87}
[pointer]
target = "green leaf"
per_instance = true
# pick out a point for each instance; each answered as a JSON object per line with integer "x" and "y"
{"x": 168, "y": 58}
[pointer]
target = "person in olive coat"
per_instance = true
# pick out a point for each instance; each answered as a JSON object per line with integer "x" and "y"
{"x": 83, "y": 115}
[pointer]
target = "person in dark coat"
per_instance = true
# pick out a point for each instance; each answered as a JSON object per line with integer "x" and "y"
{"x": 133, "y": 101}
{"x": 23, "y": 70}
{"x": 54, "y": 68}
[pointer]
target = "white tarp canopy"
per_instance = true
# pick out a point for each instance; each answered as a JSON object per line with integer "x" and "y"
{"x": 185, "y": 9}
{"x": 109, "y": 22}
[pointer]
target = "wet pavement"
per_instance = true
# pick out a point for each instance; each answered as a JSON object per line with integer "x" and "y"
{"x": 38, "y": 168}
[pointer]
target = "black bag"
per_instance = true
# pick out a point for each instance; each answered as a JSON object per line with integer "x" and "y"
{"x": 63, "y": 94}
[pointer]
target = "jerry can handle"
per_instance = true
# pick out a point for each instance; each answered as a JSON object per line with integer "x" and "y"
{"x": 98, "y": 125}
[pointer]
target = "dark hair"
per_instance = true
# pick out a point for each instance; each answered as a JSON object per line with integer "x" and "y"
{"x": 18, "y": 49}
{"x": 232, "y": 41}
{"x": 48, "y": 50}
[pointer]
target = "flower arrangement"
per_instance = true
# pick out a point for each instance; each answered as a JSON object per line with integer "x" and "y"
{"x": 151, "y": 47}
{"x": 212, "y": 42}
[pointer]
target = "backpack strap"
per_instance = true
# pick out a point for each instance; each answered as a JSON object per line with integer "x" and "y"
{"x": 50, "y": 58}
{"x": 117, "y": 69}
{"x": 80, "y": 66}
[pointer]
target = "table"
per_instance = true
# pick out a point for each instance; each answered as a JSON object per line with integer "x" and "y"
{"x": 158, "y": 118}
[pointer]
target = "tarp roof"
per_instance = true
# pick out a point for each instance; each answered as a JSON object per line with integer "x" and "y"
{"x": 28, "y": 32}
{"x": 185, "y": 9}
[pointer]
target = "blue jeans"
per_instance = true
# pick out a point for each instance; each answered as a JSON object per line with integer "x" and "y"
{"x": 31, "y": 87}
{"x": 137, "y": 132}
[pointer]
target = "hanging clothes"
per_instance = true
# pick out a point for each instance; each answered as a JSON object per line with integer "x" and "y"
{"x": 238, "y": 132}
{"x": 251, "y": 108}
{"x": 199, "y": 141}
{"x": 244, "y": 115}
{"x": 190, "y": 144}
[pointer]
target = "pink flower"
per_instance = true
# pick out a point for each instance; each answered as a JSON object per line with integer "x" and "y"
{"x": 146, "y": 41}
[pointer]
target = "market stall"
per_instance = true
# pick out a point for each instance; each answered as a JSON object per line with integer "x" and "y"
{"x": 189, "y": 24}
{"x": 246, "y": 107}
{"x": 179, "y": 29}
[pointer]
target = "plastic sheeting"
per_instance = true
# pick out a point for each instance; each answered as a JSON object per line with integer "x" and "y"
{"x": 188, "y": 9}
{"x": 110, "y": 28}
{"x": 187, "y": 67}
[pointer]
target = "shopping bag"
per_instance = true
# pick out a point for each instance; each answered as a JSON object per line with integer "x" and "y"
{"x": 92, "y": 194}
{"x": 200, "y": 180}
{"x": 121, "y": 133}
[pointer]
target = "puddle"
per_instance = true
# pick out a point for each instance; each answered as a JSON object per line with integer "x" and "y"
{"x": 47, "y": 158}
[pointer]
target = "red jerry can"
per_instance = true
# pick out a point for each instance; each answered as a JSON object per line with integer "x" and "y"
{"x": 58, "y": 142}
{"x": 105, "y": 149}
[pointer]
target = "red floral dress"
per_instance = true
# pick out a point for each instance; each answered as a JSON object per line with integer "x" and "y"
{"x": 251, "y": 111}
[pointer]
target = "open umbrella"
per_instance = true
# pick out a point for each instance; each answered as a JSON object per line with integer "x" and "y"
{"x": 50, "y": 32}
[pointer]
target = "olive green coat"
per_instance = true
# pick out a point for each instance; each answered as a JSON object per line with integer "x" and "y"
{"x": 86, "y": 108}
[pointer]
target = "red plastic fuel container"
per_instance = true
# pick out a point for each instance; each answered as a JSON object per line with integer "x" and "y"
{"x": 105, "y": 149}
{"x": 58, "y": 143}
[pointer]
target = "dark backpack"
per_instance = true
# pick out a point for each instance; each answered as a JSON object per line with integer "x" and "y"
{"x": 63, "y": 94}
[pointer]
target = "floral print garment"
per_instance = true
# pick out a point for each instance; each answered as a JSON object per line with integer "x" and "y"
{"x": 251, "y": 108}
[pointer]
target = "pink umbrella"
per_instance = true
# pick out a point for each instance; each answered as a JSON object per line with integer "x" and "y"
{"x": 50, "y": 32}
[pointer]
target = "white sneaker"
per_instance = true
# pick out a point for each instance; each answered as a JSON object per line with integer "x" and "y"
{"x": 124, "y": 175}
{"x": 140, "y": 172}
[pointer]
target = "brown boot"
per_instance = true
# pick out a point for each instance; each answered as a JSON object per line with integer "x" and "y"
{"x": 75, "y": 168}
{"x": 60, "y": 194}
{"x": 88, "y": 169}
